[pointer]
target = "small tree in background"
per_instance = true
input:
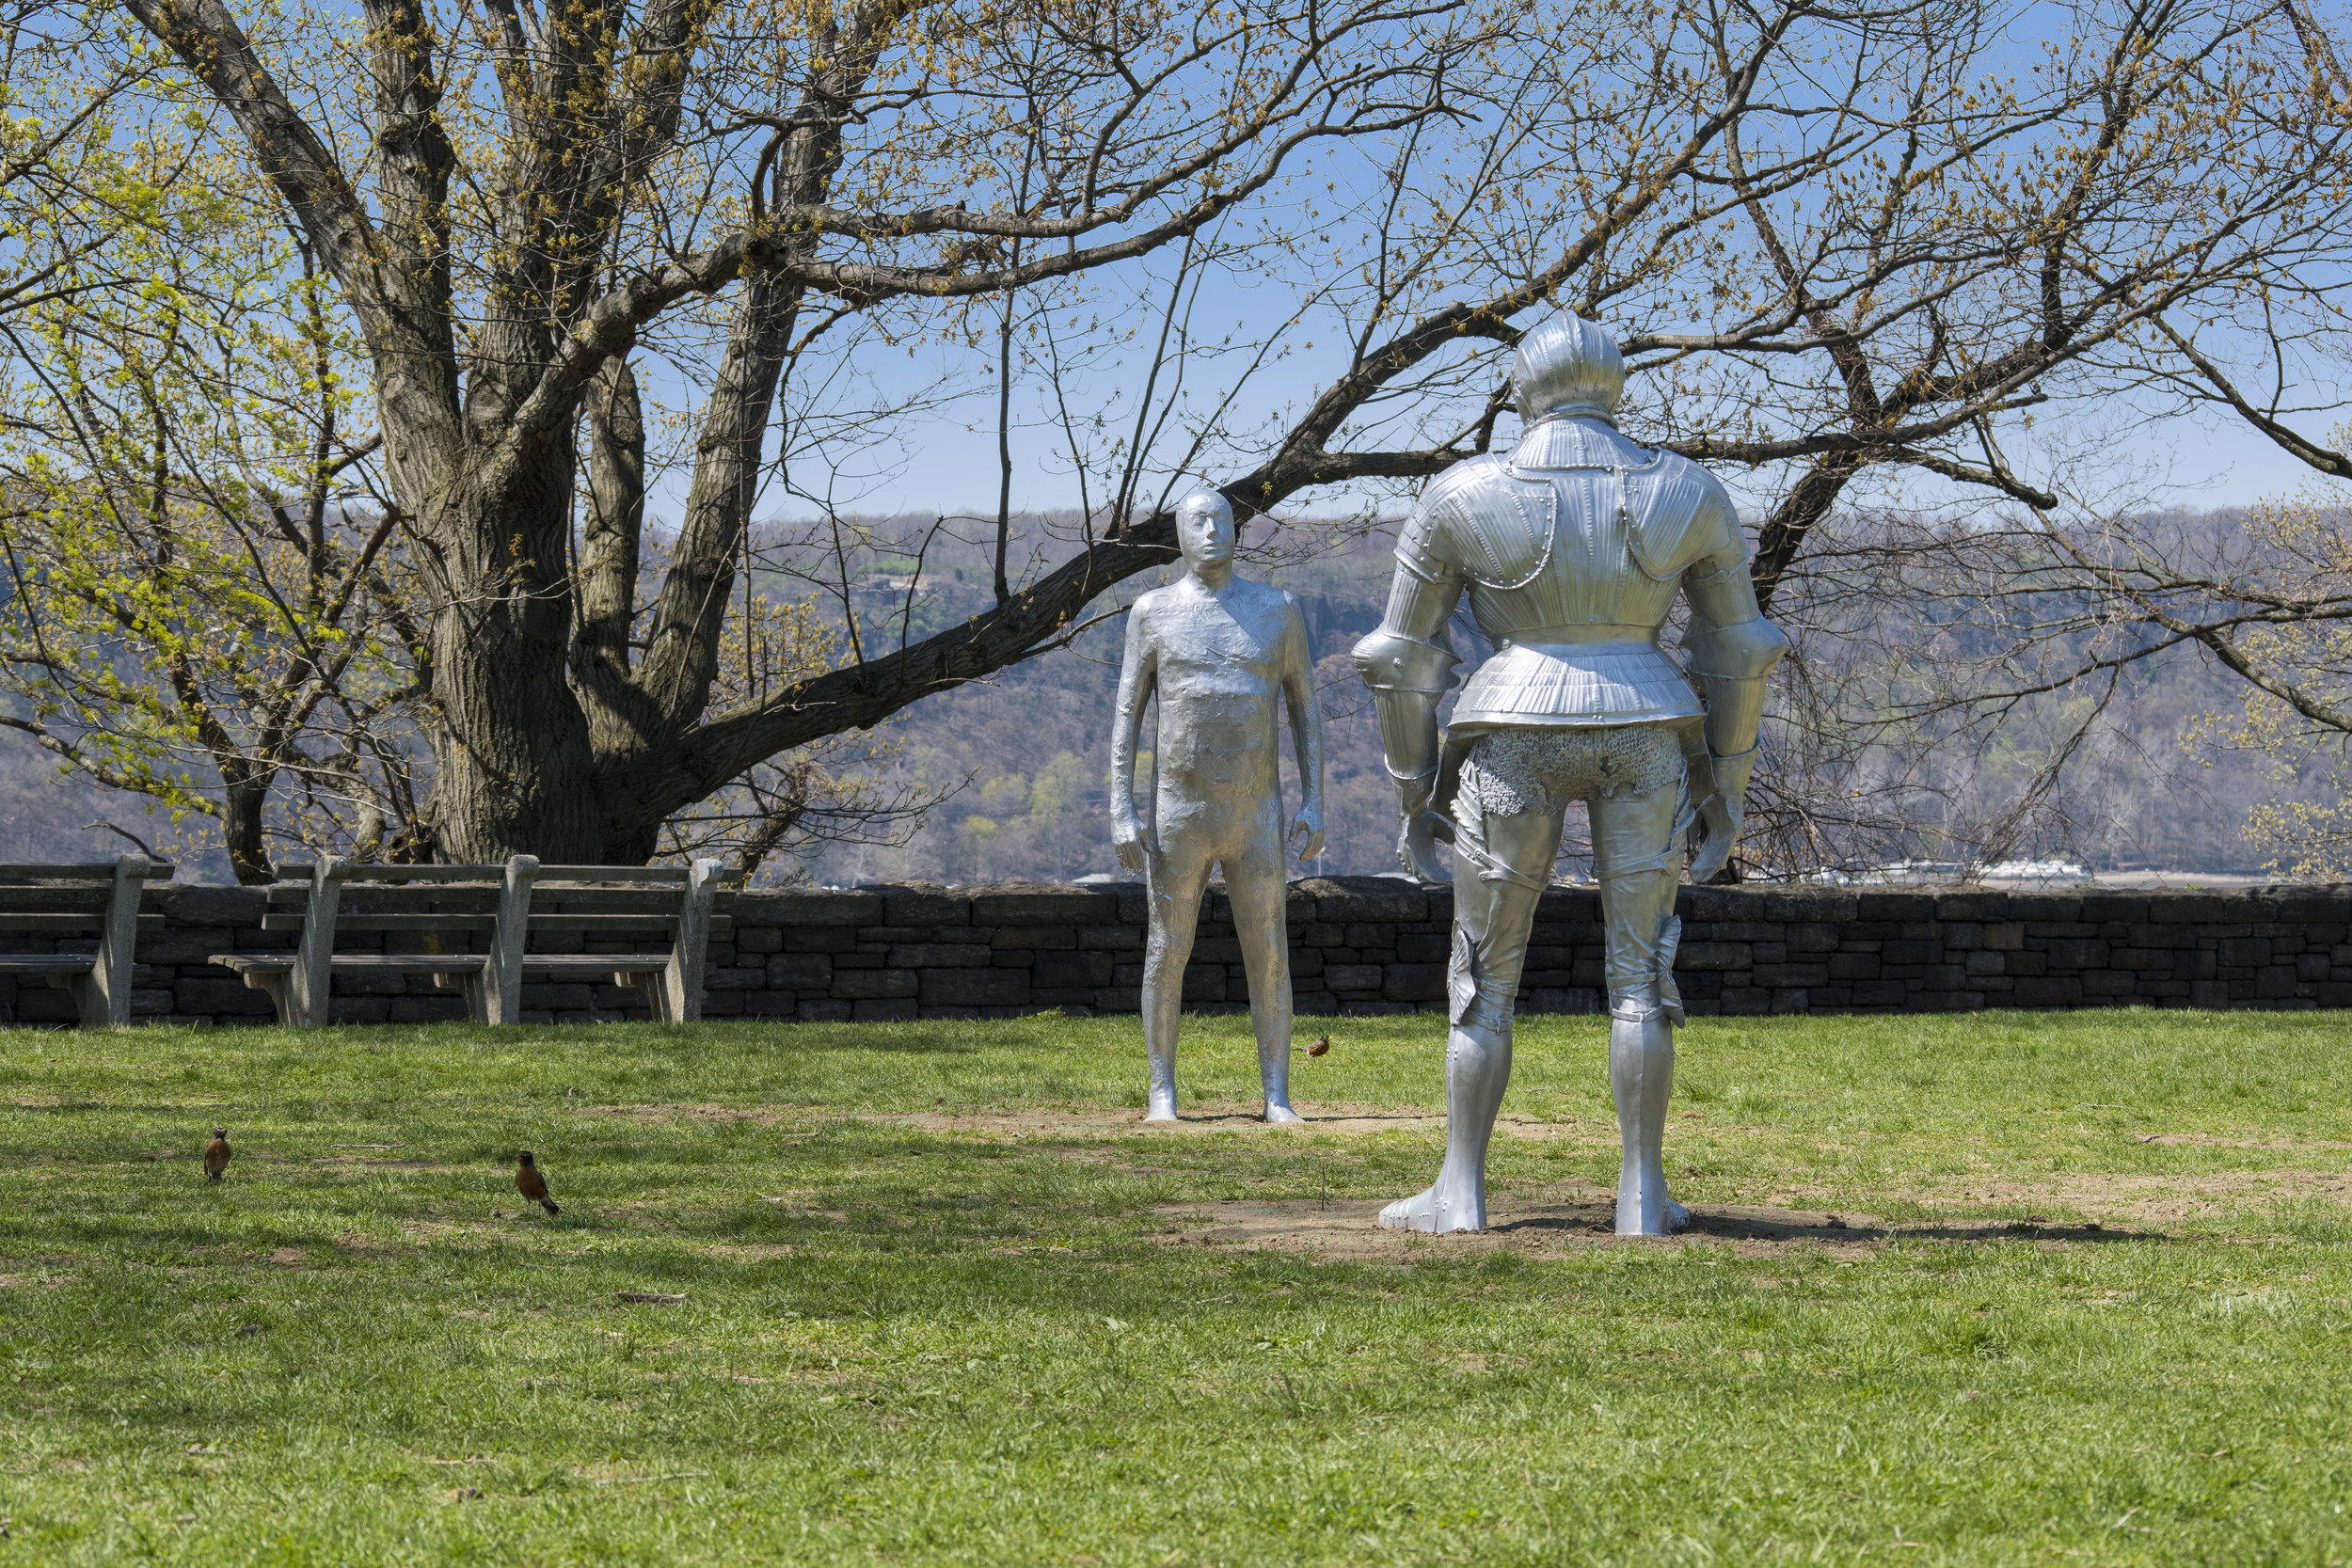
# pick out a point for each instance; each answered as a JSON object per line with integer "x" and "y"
{"x": 191, "y": 614}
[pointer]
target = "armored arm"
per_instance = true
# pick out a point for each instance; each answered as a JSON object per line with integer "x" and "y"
{"x": 1408, "y": 664}
{"x": 1731, "y": 648}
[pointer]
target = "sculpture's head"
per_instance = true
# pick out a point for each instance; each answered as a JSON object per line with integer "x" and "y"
{"x": 1205, "y": 531}
{"x": 1566, "y": 365}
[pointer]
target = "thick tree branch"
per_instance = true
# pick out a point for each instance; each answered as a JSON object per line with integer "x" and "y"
{"x": 404, "y": 322}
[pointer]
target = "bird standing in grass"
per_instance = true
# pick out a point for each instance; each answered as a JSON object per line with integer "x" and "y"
{"x": 217, "y": 1154}
{"x": 1319, "y": 1046}
{"x": 532, "y": 1185}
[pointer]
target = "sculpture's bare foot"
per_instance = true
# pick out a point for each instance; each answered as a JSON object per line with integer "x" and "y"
{"x": 1278, "y": 1113}
{"x": 1439, "y": 1210}
{"x": 1162, "y": 1106}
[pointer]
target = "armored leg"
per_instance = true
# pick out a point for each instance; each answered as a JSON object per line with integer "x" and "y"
{"x": 1501, "y": 864}
{"x": 1259, "y": 896}
{"x": 1636, "y": 856}
{"x": 1174, "y": 879}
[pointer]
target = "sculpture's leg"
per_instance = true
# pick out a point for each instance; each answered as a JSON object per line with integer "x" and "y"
{"x": 1255, "y": 886}
{"x": 1639, "y": 869}
{"x": 1502, "y": 865}
{"x": 1175, "y": 878}
{"x": 1642, "y": 1079}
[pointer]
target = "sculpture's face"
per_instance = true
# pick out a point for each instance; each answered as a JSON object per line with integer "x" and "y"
{"x": 1205, "y": 531}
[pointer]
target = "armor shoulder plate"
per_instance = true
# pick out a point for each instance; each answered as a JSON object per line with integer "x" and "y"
{"x": 1492, "y": 528}
{"x": 1677, "y": 516}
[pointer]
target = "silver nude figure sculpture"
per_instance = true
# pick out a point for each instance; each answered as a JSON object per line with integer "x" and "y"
{"x": 1220, "y": 652}
{"x": 1573, "y": 549}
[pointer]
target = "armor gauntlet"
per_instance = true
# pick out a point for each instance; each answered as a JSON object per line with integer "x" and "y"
{"x": 1408, "y": 676}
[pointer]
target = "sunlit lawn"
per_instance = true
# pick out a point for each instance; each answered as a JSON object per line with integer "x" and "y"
{"x": 910, "y": 1341}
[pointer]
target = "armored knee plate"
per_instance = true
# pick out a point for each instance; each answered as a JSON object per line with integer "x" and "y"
{"x": 1473, "y": 1000}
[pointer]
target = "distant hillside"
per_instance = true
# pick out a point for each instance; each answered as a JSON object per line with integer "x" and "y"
{"x": 1034, "y": 746}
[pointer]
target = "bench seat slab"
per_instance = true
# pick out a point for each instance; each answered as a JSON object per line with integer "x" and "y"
{"x": 376, "y": 963}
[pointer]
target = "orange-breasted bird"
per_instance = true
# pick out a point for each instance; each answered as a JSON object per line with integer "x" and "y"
{"x": 217, "y": 1154}
{"x": 532, "y": 1185}
{"x": 1319, "y": 1046}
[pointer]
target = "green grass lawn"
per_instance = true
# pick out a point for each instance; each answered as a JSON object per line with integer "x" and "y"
{"x": 913, "y": 1335}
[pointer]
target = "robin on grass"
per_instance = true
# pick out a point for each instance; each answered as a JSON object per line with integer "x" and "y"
{"x": 532, "y": 1185}
{"x": 217, "y": 1154}
{"x": 1319, "y": 1046}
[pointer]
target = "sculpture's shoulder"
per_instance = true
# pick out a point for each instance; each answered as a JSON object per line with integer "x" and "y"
{"x": 1679, "y": 515}
{"x": 1149, "y": 610}
{"x": 1483, "y": 521}
{"x": 1451, "y": 508}
{"x": 1471, "y": 483}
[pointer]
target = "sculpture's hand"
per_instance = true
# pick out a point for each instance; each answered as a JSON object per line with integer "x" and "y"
{"x": 1130, "y": 842}
{"x": 1310, "y": 823}
{"x": 1416, "y": 848}
{"x": 1721, "y": 818}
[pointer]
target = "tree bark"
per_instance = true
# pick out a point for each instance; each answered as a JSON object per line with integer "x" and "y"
{"x": 514, "y": 767}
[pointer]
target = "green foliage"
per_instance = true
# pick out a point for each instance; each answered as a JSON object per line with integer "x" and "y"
{"x": 913, "y": 1332}
{"x": 189, "y": 609}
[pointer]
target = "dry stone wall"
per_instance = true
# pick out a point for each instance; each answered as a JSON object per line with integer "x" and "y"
{"x": 1358, "y": 944}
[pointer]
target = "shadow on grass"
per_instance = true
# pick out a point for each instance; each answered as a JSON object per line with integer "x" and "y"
{"x": 1741, "y": 1227}
{"x": 2012, "y": 1230}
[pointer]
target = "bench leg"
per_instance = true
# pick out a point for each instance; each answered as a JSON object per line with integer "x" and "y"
{"x": 648, "y": 982}
{"x": 89, "y": 1008}
{"x": 279, "y": 989}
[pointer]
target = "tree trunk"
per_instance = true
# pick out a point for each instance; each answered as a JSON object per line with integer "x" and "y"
{"x": 244, "y": 793}
{"x": 515, "y": 772}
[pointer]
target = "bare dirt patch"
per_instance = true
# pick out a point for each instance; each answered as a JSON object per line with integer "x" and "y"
{"x": 1344, "y": 1117}
{"x": 2143, "y": 1197}
{"x": 1096, "y": 1121}
{"x": 1563, "y": 1219}
{"x": 2082, "y": 1208}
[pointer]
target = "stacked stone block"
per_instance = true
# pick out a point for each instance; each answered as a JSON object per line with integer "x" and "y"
{"x": 1358, "y": 944}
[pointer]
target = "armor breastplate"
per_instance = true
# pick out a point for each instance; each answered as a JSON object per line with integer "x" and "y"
{"x": 1573, "y": 553}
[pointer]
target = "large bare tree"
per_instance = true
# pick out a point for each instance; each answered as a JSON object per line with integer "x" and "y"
{"x": 503, "y": 239}
{"x": 1840, "y": 241}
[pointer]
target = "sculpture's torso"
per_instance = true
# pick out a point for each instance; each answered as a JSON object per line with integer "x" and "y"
{"x": 1572, "y": 551}
{"x": 1218, "y": 663}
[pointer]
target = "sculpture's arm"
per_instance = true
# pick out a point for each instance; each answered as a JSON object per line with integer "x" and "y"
{"x": 1408, "y": 663}
{"x": 1731, "y": 648}
{"x": 1299, "y": 691}
{"x": 1139, "y": 673}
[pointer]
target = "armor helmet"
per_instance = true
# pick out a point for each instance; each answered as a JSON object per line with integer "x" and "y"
{"x": 1566, "y": 365}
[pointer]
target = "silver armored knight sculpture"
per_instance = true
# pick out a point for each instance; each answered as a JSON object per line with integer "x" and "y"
{"x": 1573, "y": 549}
{"x": 1221, "y": 653}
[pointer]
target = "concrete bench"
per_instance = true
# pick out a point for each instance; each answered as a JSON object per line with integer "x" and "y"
{"x": 446, "y": 907}
{"x": 56, "y": 899}
{"x": 670, "y": 903}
